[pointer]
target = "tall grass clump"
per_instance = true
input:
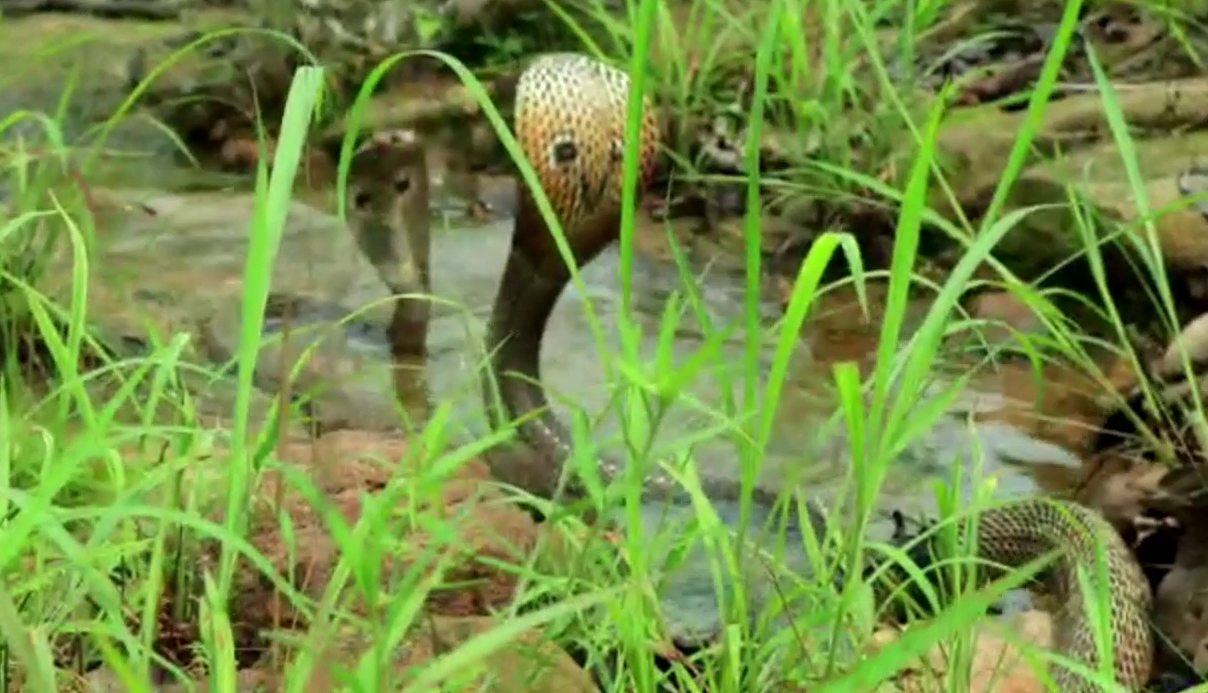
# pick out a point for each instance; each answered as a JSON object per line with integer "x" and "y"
{"x": 159, "y": 512}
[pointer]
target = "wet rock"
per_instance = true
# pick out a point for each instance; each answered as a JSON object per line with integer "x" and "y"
{"x": 1081, "y": 156}
{"x": 94, "y": 56}
{"x": 141, "y": 291}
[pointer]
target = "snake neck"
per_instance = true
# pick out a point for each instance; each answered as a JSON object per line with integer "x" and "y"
{"x": 533, "y": 279}
{"x": 529, "y": 289}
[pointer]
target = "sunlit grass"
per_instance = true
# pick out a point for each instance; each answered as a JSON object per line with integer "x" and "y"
{"x": 88, "y": 492}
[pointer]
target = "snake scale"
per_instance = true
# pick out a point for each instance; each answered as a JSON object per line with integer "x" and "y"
{"x": 570, "y": 116}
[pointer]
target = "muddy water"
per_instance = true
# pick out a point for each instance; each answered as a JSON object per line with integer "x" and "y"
{"x": 175, "y": 263}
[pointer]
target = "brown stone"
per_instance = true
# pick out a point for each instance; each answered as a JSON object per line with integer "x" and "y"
{"x": 1006, "y": 312}
{"x": 526, "y": 664}
{"x": 997, "y": 666}
{"x": 461, "y": 520}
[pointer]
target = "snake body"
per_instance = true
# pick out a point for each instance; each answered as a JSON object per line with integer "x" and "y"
{"x": 570, "y": 119}
{"x": 570, "y": 116}
{"x": 1014, "y": 535}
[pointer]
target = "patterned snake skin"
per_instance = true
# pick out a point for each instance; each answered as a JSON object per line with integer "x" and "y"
{"x": 570, "y": 115}
{"x": 1015, "y": 534}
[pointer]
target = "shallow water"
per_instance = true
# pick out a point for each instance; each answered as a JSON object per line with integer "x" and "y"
{"x": 180, "y": 265}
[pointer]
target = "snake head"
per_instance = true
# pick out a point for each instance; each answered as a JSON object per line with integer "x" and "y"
{"x": 389, "y": 207}
{"x": 571, "y": 113}
{"x": 384, "y": 168}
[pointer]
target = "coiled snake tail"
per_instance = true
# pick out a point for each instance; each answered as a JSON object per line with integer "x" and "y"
{"x": 1021, "y": 531}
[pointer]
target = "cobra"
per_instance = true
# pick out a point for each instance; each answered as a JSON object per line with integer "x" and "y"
{"x": 570, "y": 114}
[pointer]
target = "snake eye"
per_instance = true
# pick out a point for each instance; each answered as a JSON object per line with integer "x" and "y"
{"x": 402, "y": 184}
{"x": 360, "y": 200}
{"x": 565, "y": 152}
